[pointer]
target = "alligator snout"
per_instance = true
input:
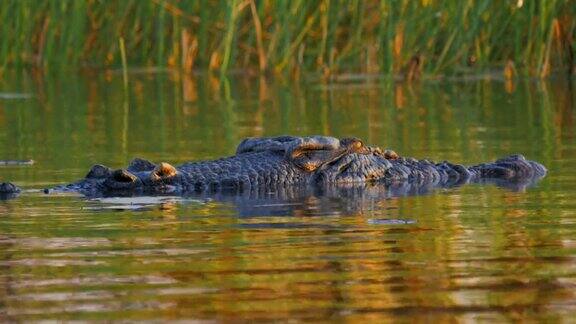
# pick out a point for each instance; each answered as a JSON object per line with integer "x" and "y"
{"x": 162, "y": 178}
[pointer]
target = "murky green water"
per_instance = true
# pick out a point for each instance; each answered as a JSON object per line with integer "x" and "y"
{"x": 469, "y": 253}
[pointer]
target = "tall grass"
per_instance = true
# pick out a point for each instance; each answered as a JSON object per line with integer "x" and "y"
{"x": 395, "y": 37}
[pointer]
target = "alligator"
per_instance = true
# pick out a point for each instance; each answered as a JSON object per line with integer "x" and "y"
{"x": 264, "y": 165}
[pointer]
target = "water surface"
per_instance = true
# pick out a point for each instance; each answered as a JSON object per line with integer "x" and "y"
{"x": 469, "y": 253}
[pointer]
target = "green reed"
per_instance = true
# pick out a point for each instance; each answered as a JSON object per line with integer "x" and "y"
{"x": 329, "y": 37}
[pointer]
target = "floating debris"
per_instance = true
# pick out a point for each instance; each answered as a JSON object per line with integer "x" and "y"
{"x": 390, "y": 221}
{"x": 16, "y": 162}
{"x": 15, "y": 95}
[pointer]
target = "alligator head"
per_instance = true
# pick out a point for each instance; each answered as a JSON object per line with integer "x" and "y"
{"x": 140, "y": 177}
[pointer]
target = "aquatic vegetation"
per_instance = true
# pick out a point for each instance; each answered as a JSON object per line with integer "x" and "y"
{"x": 329, "y": 37}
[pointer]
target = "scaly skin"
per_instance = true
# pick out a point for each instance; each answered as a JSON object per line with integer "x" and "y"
{"x": 264, "y": 165}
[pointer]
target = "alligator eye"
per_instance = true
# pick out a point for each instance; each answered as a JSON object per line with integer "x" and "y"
{"x": 123, "y": 176}
{"x": 164, "y": 171}
{"x": 351, "y": 143}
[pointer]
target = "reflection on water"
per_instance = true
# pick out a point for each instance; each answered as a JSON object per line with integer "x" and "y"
{"x": 477, "y": 252}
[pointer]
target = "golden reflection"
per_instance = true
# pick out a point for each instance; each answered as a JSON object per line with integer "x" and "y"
{"x": 263, "y": 89}
{"x": 38, "y": 75}
{"x": 92, "y": 104}
{"x": 509, "y": 70}
{"x": 189, "y": 91}
{"x": 138, "y": 90}
{"x": 169, "y": 210}
{"x": 215, "y": 84}
{"x": 509, "y": 85}
{"x": 399, "y": 98}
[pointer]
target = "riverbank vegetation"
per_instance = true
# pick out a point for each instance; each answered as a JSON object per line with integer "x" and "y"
{"x": 393, "y": 37}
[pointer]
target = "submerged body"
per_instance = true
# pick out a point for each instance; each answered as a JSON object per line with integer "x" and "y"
{"x": 269, "y": 164}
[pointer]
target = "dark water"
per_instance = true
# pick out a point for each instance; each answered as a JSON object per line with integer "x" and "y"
{"x": 469, "y": 253}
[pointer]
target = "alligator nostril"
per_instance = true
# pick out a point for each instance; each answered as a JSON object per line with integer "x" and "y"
{"x": 164, "y": 171}
{"x": 123, "y": 176}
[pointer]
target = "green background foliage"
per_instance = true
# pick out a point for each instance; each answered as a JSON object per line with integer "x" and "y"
{"x": 326, "y": 37}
